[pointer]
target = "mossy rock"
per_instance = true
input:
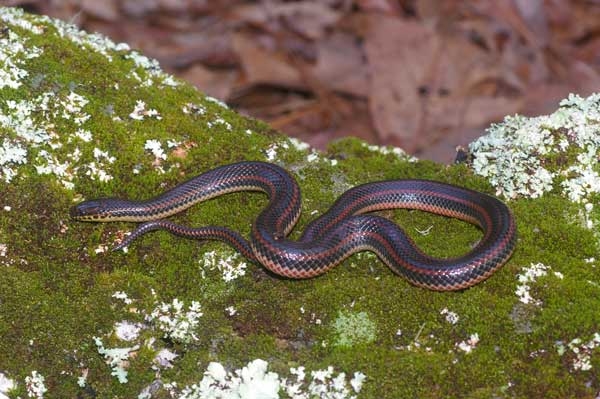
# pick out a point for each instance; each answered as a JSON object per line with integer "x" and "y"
{"x": 81, "y": 117}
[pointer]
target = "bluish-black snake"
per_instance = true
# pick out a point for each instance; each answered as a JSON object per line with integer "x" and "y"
{"x": 342, "y": 231}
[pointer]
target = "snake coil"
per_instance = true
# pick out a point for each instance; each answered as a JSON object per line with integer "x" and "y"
{"x": 342, "y": 231}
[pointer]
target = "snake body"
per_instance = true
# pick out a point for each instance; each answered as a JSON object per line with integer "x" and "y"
{"x": 340, "y": 232}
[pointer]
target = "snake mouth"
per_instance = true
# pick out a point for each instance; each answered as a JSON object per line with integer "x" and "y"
{"x": 93, "y": 210}
{"x": 73, "y": 212}
{"x": 79, "y": 213}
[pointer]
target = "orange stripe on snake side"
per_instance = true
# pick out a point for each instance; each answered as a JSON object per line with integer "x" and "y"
{"x": 346, "y": 228}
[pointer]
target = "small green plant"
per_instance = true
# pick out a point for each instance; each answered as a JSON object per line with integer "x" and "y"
{"x": 354, "y": 328}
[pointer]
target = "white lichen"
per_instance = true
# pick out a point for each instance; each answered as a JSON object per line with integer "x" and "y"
{"x": 35, "y": 385}
{"x": 6, "y": 385}
{"x": 176, "y": 323}
{"x": 164, "y": 358}
{"x": 527, "y": 157}
{"x": 14, "y": 53}
{"x": 123, "y": 297}
{"x": 127, "y": 331}
{"x": 231, "y": 310}
{"x": 155, "y": 147}
{"x": 468, "y": 345}
{"x": 221, "y": 122}
{"x": 11, "y": 155}
{"x": 140, "y": 112}
{"x": 450, "y": 316}
{"x": 387, "y": 150}
{"x": 82, "y": 379}
{"x": 116, "y": 358}
{"x": 32, "y": 127}
{"x": 150, "y": 70}
{"x": 36, "y": 128}
{"x": 528, "y": 276}
{"x": 255, "y": 381}
{"x": 216, "y": 101}
{"x": 299, "y": 144}
{"x": 229, "y": 264}
{"x": 581, "y": 352}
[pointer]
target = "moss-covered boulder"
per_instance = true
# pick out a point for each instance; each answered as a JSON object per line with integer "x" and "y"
{"x": 82, "y": 117}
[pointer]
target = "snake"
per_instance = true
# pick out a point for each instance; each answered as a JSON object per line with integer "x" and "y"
{"x": 347, "y": 227}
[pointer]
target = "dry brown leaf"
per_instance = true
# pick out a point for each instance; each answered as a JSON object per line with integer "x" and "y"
{"x": 264, "y": 67}
{"x": 381, "y": 6}
{"x": 425, "y": 85}
{"x": 106, "y": 10}
{"x": 341, "y": 65}
{"x": 310, "y": 19}
{"x": 218, "y": 83}
{"x": 398, "y": 68}
{"x": 213, "y": 49}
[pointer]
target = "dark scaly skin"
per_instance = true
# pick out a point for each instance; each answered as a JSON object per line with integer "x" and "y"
{"x": 342, "y": 231}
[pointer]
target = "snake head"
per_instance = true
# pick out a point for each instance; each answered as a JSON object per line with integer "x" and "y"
{"x": 97, "y": 210}
{"x": 109, "y": 210}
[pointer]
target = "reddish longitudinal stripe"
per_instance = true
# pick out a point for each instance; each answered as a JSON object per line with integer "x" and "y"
{"x": 282, "y": 256}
